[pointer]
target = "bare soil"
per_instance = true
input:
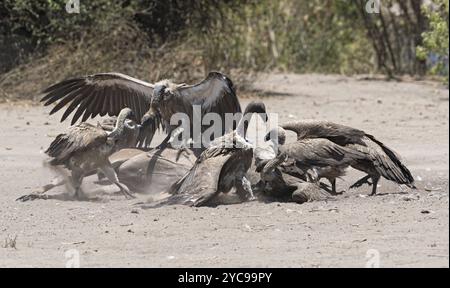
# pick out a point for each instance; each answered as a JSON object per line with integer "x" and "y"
{"x": 406, "y": 228}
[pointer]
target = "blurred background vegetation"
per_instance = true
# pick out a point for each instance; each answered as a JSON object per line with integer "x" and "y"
{"x": 40, "y": 43}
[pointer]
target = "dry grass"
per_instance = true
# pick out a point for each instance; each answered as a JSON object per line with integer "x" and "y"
{"x": 123, "y": 50}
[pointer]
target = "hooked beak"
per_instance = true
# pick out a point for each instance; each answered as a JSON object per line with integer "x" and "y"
{"x": 147, "y": 118}
{"x": 132, "y": 117}
{"x": 150, "y": 115}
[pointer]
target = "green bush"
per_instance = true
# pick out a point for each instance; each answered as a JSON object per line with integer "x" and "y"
{"x": 435, "y": 40}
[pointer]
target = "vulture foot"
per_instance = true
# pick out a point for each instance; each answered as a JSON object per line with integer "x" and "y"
{"x": 31, "y": 197}
{"x": 125, "y": 191}
{"x": 336, "y": 193}
{"x": 362, "y": 181}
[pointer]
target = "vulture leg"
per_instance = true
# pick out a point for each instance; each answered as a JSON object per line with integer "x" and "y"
{"x": 333, "y": 187}
{"x": 375, "y": 180}
{"x": 77, "y": 178}
{"x": 174, "y": 134}
{"x": 183, "y": 146}
{"x": 244, "y": 189}
{"x": 109, "y": 172}
{"x": 164, "y": 144}
{"x": 169, "y": 138}
{"x": 362, "y": 181}
{"x": 100, "y": 175}
{"x": 39, "y": 194}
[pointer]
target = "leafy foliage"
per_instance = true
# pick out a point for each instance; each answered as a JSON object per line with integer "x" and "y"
{"x": 435, "y": 40}
{"x": 40, "y": 43}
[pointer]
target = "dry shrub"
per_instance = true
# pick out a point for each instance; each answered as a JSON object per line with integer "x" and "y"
{"x": 125, "y": 49}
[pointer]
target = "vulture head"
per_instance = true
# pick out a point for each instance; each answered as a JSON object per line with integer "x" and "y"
{"x": 160, "y": 92}
{"x": 122, "y": 124}
{"x": 277, "y": 134}
{"x": 254, "y": 107}
{"x": 163, "y": 91}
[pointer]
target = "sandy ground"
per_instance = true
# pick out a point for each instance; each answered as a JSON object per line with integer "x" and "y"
{"x": 398, "y": 229}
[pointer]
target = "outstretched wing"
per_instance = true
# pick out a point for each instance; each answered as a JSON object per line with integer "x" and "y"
{"x": 79, "y": 138}
{"x": 99, "y": 94}
{"x": 215, "y": 94}
{"x": 337, "y": 133}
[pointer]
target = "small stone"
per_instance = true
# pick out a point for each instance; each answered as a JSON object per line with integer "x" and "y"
{"x": 426, "y": 212}
{"x": 410, "y": 198}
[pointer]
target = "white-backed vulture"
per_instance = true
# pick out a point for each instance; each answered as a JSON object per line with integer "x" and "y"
{"x": 314, "y": 158}
{"x": 378, "y": 159}
{"x": 141, "y": 171}
{"x": 85, "y": 148}
{"x": 221, "y": 167}
{"x": 108, "y": 93}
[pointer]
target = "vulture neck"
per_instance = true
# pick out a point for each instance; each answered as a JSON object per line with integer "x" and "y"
{"x": 251, "y": 109}
{"x": 120, "y": 126}
{"x": 242, "y": 127}
{"x": 274, "y": 163}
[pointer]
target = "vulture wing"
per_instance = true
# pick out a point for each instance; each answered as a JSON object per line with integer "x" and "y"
{"x": 101, "y": 94}
{"x": 385, "y": 161}
{"x": 79, "y": 138}
{"x": 337, "y": 133}
{"x": 212, "y": 173}
{"x": 320, "y": 152}
{"x": 200, "y": 184}
{"x": 215, "y": 94}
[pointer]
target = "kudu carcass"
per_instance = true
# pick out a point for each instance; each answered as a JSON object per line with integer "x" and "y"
{"x": 151, "y": 171}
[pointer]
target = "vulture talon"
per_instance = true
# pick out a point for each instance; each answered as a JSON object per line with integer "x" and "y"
{"x": 31, "y": 197}
{"x": 362, "y": 181}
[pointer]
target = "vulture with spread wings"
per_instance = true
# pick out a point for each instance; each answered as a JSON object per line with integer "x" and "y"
{"x": 108, "y": 93}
